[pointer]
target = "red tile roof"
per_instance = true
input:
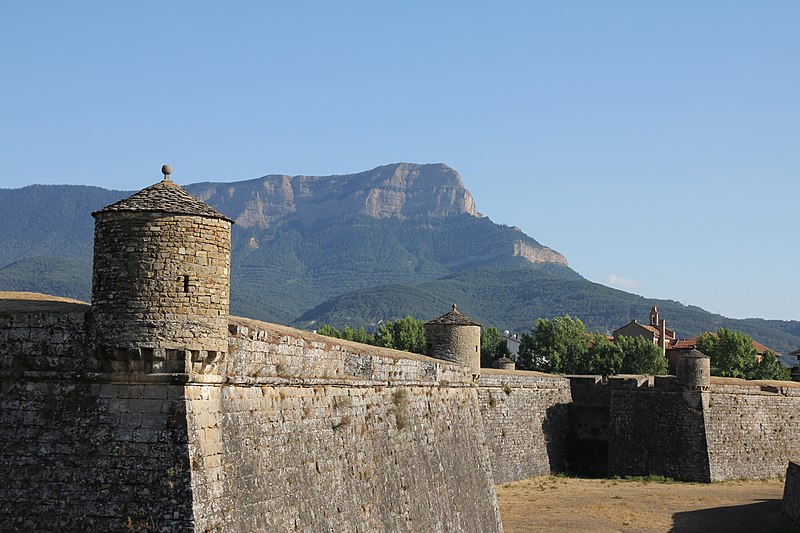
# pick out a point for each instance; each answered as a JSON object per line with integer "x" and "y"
{"x": 686, "y": 344}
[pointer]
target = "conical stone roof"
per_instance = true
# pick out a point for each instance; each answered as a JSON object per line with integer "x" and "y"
{"x": 165, "y": 196}
{"x": 454, "y": 318}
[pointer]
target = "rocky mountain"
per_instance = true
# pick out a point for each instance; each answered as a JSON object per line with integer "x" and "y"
{"x": 402, "y": 191}
{"x": 357, "y": 248}
{"x": 297, "y": 241}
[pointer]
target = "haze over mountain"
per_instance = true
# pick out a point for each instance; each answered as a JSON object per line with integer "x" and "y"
{"x": 357, "y": 249}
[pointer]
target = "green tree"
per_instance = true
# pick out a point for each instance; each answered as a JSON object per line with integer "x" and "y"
{"x": 493, "y": 346}
{"x": 641, "y": 356}
{"x": 732, "y": 353}
{"x": 358, "y": 335}
{"x": 347, "y": 333}
{"x": 329, "y": 331}
{"x": 407, "y": 334}
{"x": 554, "y": 345}
{"x": 770, "y": 368}
{"x": 601, "y": 357}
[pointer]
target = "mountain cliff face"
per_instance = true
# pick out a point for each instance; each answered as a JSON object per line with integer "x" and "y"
{"x": 403, "y": 190}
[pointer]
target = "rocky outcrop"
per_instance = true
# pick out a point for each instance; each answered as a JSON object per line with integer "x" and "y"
{"x": 402, "y": 190}
{"x": 538, "y": 254}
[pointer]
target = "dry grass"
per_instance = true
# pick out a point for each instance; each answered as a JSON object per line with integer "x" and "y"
{"x": 31, "y": 302}
{"x": 554, "y": 503}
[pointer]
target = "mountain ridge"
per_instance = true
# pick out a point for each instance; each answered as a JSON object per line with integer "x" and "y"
{"x": 401, "y": 190}
{"x": 303, "y": 242}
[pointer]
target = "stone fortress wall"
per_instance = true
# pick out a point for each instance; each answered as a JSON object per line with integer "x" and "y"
{"x": 734, "y": 429}
{"x": 314, "y": 433}
{"x": 176, "y": 417}
{"x": 752, "y": 429}
{"x": 292, "y": 430}
{"x": 82, "y": 449}
{"x": 288, "y": 431}
{"x": 526, "y": 421}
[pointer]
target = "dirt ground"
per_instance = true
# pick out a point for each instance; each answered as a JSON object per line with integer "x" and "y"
{"x": 554, "y": 503}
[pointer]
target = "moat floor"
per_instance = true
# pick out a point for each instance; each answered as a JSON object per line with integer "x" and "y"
{"x": 554, "y": 503}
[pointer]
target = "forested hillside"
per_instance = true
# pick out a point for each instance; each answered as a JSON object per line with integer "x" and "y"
{"x": 513, "y": 298}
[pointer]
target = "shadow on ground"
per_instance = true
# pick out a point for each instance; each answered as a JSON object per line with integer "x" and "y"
{"x": 765, "y": 515}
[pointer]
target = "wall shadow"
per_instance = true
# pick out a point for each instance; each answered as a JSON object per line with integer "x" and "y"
{"x": 555, "y": 428}
{"x": 765, "y": 515}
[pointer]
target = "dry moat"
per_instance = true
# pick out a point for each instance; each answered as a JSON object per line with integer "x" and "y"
{"x": 554, "y": 503}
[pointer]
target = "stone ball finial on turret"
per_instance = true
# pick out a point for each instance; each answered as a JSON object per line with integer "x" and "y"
{"x": 166, "y": 170}
{"x": 694, "y": 371}
{"x": 454, "y": 337}
{"x": 161, "y": 276}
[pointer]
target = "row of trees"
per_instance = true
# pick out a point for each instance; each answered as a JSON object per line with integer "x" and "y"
{"x": 407, "y": 334}
{"x": 734, "y": 355}
{"x": 561, "y": 345}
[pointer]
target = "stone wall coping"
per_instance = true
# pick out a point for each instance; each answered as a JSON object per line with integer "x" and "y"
{"x": 715, "y": 380}
{"x": 541, "y": 381}
{"x": 259, "y": 381}
{"x": 755, "y": 390}
{"x": 523, "y": 373}
{"x": 251, "y": 328}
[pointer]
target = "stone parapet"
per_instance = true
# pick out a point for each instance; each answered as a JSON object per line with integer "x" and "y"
{"x": 45, "y": 341}
{"x": 262, "y": 350}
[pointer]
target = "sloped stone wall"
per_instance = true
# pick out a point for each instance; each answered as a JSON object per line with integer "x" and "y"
{"x": 288, "y": 430}
{"x": 84, "y": 454}
{"x": 752, "y": 428}
{"x": 319, "y": 434}
{"x": 526, "y": 420}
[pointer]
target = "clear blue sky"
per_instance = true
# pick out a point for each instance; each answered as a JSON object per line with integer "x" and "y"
{"x": 655, "y": 144}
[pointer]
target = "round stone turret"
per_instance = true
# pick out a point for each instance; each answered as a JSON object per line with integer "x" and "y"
{"x": 454, "y": 337}
{"x": 161, "y": 276}
{"x": 504, "y": 363}
{"x": 694, "y": 370}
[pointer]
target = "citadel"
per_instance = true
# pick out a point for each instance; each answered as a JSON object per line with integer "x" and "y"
{"x": 154, "y": 409}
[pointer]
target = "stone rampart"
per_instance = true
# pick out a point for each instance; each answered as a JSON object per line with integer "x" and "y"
{"x": 286, "y": 431}
{"x": 93, "y": 453}
{"x": 525, "y": 417}
{"x": 752, "y": 428}
{"x": 45, "y": 340}
{"x": 294, "y": 431}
